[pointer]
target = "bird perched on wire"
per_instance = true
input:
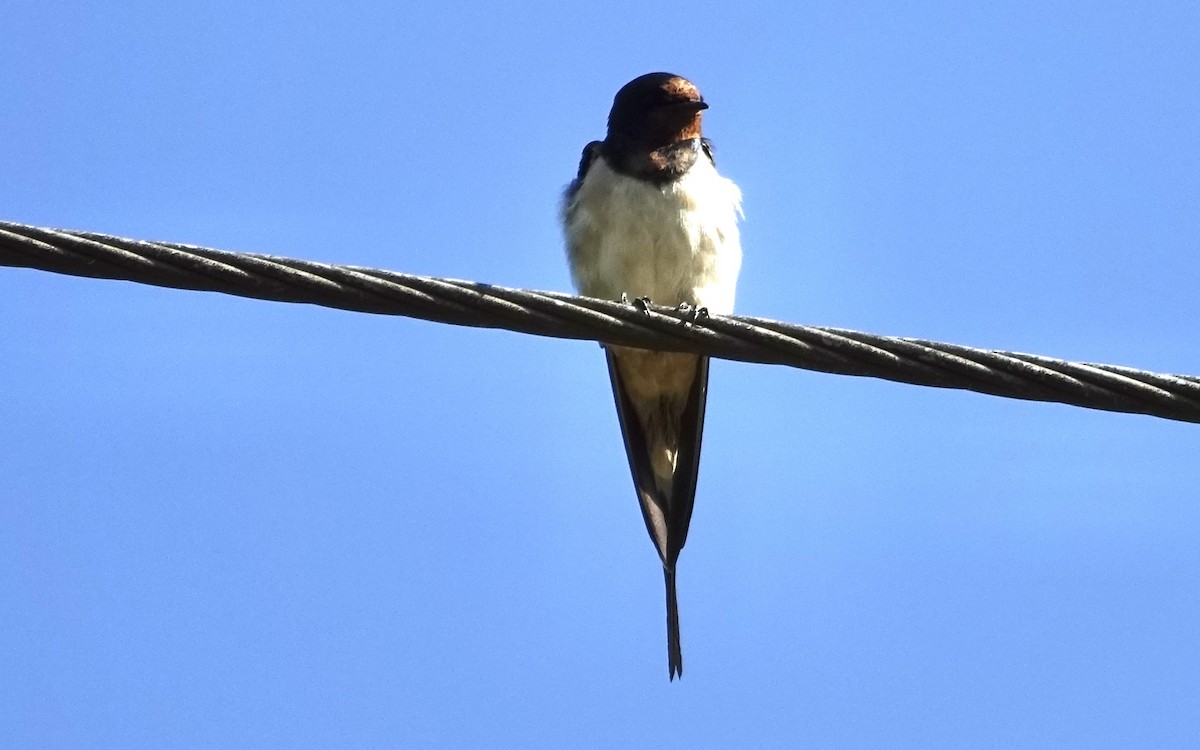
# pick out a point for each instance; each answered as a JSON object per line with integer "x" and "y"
{"x": 648, "y": 218}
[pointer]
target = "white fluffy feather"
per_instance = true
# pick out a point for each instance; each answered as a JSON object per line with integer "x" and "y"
{"x": 676, "y": 242}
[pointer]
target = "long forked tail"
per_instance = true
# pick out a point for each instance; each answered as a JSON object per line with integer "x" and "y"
{"x": 674, "y": 652}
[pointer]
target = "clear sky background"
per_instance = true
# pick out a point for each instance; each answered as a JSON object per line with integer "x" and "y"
{"x": 243, "y": 524}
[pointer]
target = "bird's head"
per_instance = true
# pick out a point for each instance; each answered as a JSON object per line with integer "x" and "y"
{"x": 655, "y": 110}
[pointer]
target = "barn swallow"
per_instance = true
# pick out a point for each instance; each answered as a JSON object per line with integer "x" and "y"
{"x": 648, "y": 217}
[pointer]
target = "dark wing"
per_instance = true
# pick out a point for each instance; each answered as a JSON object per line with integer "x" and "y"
{"x": 687, "y": 461}
{"x": 656, "y": 507}
{"x": 666, "y": 511}
{"x": 709, "y": 149}
{"x": 590, "y": 153}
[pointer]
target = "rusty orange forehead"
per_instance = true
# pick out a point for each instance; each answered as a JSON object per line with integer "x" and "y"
{"x": 681, "y": 87}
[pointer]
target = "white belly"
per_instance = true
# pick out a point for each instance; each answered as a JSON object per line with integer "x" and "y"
{"x": 673, "y": 243}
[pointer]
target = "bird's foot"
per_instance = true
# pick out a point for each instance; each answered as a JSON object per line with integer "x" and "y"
{"x": 643, "y": 304}
{"x": 692, "y": 312}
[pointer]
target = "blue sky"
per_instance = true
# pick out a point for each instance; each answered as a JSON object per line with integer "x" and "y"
{"x": 234, "y": 523}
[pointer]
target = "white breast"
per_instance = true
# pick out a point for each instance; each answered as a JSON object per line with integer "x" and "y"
{"x": 673, "y": 243}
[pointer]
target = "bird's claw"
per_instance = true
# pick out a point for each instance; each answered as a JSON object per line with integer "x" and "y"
{"x": 641, "y": 303}
{"x": 692, "y": 312}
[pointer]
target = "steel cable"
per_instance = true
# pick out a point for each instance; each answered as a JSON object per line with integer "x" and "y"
{"x": 468, "y": 303}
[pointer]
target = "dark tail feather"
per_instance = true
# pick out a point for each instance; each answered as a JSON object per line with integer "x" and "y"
{"x": 674, "y": 652}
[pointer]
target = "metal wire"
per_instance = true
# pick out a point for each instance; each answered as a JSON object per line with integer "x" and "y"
{"x": 468, "y": 303}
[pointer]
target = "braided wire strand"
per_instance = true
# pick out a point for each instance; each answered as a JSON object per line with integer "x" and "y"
{"x": 554, "y": 314}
